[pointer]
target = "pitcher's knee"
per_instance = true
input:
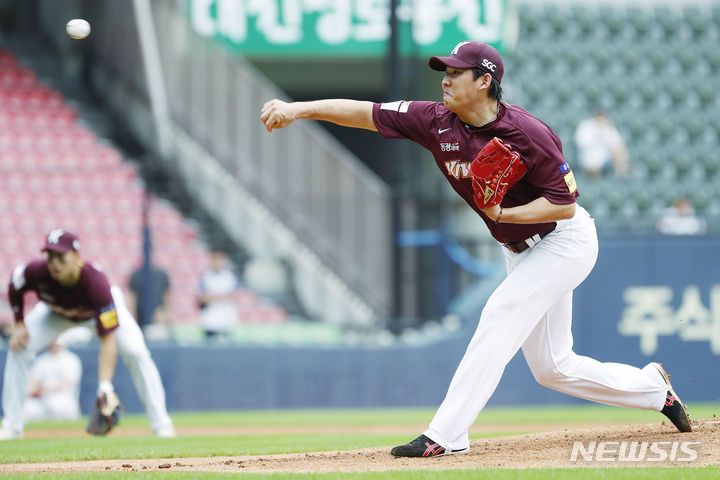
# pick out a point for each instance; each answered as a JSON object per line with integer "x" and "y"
{"x": 548, "y": 377}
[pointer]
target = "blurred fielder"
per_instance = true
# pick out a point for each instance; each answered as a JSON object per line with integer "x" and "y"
{"x": 71, "y": 293}
{"x": 509, "y": 167}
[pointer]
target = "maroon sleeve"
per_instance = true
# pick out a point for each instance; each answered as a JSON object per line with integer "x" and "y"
{"x": 405, "y": 119}
{"x": 548, "y": 170}
{"x": 101, "y": 299}
{"x": 23, "y": 279}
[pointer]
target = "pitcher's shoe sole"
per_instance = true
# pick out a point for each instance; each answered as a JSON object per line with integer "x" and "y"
{"x": 673, "y": 409}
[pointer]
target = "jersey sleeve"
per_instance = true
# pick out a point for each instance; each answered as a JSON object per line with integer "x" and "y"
{"x": 405, "y": 119}
{"x": 548, "y": 170}
{"x": 16, "y": 292}
{"x": 22, "y": 280}
{"x": 101, "y": 299}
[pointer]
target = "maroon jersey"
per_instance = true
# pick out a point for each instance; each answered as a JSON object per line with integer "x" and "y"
{"x": 454, "y": 144}
{"x": 89, "y": 298}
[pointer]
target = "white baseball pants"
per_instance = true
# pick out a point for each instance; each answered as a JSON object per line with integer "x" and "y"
{"x": 61, "y": 406}
{"x": 532, "y": 309}
{"x": 45, "y": 326}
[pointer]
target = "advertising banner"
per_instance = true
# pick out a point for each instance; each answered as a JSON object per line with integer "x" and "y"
{"x": 348, "y": 28}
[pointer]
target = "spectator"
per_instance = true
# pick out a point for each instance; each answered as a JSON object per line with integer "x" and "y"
{"x": 600, "y": 146}
{"x": 54, "y": 385}
{"x": 680, "y": 219}
{"x": 158, "y": 310}
{"x": 218, "y": 288}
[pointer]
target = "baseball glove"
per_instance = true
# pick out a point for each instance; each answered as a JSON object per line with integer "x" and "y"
{"x": 106, "y": 414}
{"x": 494, "y": 170}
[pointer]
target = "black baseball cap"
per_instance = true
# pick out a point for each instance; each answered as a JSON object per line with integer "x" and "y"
{"x": 471, "y": 55}
{"x": 60, "y": 241}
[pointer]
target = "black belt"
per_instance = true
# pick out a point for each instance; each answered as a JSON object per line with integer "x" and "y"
{"x": 522, "y": 245}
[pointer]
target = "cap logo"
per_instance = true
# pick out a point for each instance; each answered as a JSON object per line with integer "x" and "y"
{"x": 457, "y": 47}
{"x": 54, "y": 236}
{"x": 489, "y": 65}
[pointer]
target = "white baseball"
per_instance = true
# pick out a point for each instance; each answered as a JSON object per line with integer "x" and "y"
{"x": 78, "y": 28}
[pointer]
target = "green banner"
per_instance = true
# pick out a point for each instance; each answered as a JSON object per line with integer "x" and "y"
{"x": 341, "y": 28}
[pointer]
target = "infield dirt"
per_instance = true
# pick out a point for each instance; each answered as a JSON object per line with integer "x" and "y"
{"x": 537, "y": 450}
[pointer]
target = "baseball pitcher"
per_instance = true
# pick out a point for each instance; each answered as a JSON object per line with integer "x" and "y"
{"x": 509, "y": 167}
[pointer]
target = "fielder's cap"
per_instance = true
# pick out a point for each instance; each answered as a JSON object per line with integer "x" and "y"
{"x": 471, "y": 55}
{"x": 61, "y": 241}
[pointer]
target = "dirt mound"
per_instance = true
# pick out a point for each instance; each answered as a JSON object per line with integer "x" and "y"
{"x": 607, "y": 446}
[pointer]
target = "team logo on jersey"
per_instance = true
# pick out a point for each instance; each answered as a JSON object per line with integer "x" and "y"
{"x": 570, "y": 180}
{"x": 401, "y": 106}
{"x": 457, "y": 169}
{"x": 568, "y": 177}
{"x": 108, "y": 317}
{"x": 449, "y": 146}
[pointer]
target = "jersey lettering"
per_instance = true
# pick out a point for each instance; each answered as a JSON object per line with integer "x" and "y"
{"x": 450, "y": 146}
{"x": 457, "y": 169}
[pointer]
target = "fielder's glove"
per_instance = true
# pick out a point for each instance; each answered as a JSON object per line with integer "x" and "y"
{"x": 494, "y": 170}
{"x": 106, "y": 414}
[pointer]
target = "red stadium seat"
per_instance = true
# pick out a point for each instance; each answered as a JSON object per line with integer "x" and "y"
{"x": 57, "y": 174}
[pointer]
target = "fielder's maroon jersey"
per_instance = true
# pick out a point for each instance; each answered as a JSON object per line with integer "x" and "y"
{"x": 454, "y": 144}
{"x": 89, "y": 298}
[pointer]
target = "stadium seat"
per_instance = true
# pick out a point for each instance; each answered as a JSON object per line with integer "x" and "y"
{"x": 701, "y": 198}
{"x": 57, "y": 173}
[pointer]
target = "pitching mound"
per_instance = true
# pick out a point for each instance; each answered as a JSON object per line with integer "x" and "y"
{"x": 621, "y": 446}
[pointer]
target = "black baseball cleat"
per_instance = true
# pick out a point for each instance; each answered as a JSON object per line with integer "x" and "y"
{"x": 673, "y": 409}
{"x": 423, "y": 446}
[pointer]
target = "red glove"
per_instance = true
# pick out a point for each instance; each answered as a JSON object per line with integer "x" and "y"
{"x": 494, "y": 170}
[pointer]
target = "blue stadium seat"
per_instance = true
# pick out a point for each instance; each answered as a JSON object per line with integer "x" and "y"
{"x": 621, "y": 61}
{"x": 699, "y": 22}
{"x": 700, "y": 198}
{"x": 705, "y": 92}
{"x": 639, "y": 19}
{"x": 711, "y": 163}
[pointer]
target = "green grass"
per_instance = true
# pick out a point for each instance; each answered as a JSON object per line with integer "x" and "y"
{"x": 589, "y": 413}
{"x": 148, "y": 446}
{"x": 53, "y": 450}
